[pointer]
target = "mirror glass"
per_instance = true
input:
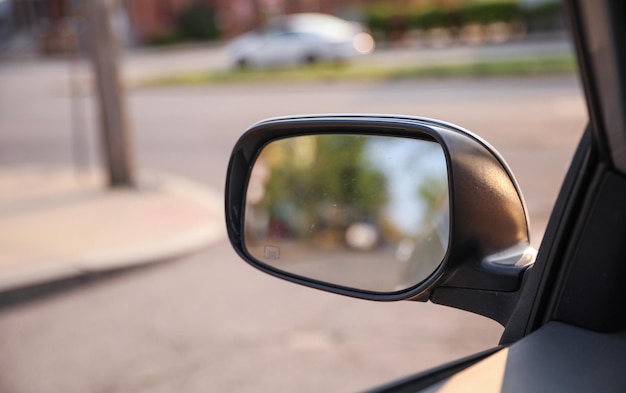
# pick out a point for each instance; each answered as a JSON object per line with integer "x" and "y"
{"x": 360, "y": 211}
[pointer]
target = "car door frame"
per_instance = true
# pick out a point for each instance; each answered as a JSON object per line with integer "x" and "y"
{"x": 551, "y": 288}
{"x": 595, "y": 29}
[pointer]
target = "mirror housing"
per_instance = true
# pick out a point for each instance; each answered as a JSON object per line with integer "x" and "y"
{"x": 488, "y": 247}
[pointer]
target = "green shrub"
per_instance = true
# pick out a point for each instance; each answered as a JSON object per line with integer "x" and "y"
{"x": 547, "y": 16}
{"x": 381, "y": 17}
{"x": 377, "y": 16}
{"x": 485, "y": 13}
{"x": 386, "y": 20}
{"x": 377, "y": 20}
{"x": 434, "y": 17}
{"x": 169, "y": 37}
{"x": 197, "y": 22}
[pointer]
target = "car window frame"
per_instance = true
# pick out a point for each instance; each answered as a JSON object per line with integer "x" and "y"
{"x": 542, "y": 291}
{"x": 597, "y": 35}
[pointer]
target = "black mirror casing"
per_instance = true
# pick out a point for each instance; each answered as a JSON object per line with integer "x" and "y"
{"x": 488, "y": 248}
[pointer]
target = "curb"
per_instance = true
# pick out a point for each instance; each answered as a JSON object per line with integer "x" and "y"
{"x": 98, "y": 264}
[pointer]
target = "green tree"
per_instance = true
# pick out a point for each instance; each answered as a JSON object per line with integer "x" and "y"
{"x": 197, "y": 22}
{"x": 324, "y": 181}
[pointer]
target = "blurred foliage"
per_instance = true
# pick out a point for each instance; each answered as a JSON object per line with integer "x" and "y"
{"x": 545, "y": 65}
{"x": 490, "y": 12}
{"x": 386, "y": 19}
{"x": 430, "y": 191}
{"x": 323, "y": 180}
{"x": 434, "y": 17}
{"x": 169, "y": 37}
{"x": 197, "y": 22}
{"x": 390, "y": 21}
{"x": 545, "y": 17}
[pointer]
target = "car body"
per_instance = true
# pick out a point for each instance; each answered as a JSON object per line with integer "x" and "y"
{"x": 563, "y": 309}
{"x": 303, "y": 38}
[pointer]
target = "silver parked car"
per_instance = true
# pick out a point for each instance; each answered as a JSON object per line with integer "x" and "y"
{"x": 304, "y": 38}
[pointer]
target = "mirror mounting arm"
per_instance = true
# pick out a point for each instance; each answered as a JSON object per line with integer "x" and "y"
{"x": 495, "y": 305}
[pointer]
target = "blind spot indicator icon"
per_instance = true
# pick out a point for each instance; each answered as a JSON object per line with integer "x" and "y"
{"x": 271, "y": 252}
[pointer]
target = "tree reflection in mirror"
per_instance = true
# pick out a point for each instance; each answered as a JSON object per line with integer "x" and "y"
{"x": 358, "y": 211}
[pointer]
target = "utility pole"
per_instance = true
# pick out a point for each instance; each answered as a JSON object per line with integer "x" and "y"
{"x": 114, "y": 130}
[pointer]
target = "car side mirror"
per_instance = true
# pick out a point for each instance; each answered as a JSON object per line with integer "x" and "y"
{"x": 378, "y": 207}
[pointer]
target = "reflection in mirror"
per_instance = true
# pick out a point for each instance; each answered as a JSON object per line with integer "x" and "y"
{"x": 364, "y": 212}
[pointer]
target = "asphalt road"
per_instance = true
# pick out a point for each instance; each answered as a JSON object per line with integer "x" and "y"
{"x": 535, "y": 123}
{"x": 211, "y": 323}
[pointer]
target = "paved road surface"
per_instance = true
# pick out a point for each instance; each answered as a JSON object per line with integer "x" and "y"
{"x": 211, "y": 323}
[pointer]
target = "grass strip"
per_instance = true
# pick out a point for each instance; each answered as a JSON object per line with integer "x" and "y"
{"x": 347, "y": 72}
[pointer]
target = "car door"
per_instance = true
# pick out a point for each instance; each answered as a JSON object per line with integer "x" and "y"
{"x": 566, "y": 331}
{"x": 564, "y": 319}
{"x": 280, "y": 47}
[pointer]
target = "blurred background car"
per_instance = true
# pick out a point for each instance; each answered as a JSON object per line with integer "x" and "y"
{"x": 304, "y": 38}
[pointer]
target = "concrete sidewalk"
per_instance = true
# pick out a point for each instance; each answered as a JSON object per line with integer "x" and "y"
{"x": 58, "y": 224}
